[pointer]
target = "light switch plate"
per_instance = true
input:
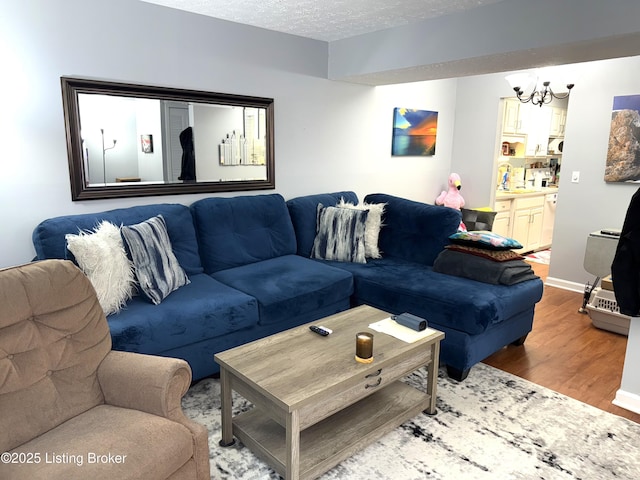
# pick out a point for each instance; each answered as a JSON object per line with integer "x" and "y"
{"x": 575, "y": 177}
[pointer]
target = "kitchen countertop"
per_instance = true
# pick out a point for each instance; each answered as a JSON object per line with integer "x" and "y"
{"x": 525, "y": 192}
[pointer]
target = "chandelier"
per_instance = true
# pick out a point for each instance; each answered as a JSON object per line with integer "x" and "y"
{"x": 540, "y": 95}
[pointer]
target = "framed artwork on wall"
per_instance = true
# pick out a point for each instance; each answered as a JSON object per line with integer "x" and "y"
{"x": 146, "y": 142}
{"x": 623, "y": 154}
{"x": 414, "y": 132}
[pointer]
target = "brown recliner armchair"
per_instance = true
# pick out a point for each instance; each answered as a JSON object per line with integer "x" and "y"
{"x": 70, "y": 407}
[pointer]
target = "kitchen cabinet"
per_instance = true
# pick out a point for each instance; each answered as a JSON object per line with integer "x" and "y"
{"x": 527, "y": 222}
{"x": 502, "y": 220}
{"x": 532, "y": 123}
{"x": 515, "y": 117}
{"x": 538, "y": 127}
{"x": 558, "y": 120}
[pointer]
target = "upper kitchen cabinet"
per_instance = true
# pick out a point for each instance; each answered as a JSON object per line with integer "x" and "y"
{"x": 516, "y": 117}
{"x": 533, "y": 124}
{"x": 558, "y": 120}
{"x": 538, "y": 131}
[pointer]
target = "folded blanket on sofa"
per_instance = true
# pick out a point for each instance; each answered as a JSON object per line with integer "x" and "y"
{"x": 482, "y": 269}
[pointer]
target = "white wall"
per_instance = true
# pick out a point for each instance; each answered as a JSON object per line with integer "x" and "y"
{"x": 591, "y": 204}
{"x": 148, "y": 114}
{"x": 418, "y": 178}
{"x": 328, "y": 135}
{"x": 105, "y": 120}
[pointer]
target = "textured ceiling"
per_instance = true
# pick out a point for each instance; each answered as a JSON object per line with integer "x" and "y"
{"x": 326, "y": 20}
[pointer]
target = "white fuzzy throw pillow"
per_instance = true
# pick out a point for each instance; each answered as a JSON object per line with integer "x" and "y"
{"x": 372, "y": 225}
{"x": 102, "y": 257}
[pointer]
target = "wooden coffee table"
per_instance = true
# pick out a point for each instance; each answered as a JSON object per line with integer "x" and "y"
{"x": 314, "y": 404}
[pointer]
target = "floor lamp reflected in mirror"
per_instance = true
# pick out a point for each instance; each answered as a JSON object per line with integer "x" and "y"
{"x": 104, "y": 152}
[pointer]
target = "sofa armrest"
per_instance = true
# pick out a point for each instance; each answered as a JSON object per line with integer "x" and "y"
{"x": 148, "y": 383}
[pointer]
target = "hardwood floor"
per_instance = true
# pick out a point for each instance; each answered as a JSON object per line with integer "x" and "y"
{"x": 566, "y": 353}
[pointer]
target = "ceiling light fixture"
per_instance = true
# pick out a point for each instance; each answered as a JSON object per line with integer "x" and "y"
{"x": 540, "y": 95}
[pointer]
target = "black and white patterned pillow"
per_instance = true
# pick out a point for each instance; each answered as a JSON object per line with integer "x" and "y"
{"x": 156, "y": 267}
{"x": 372, "y": 227}
{"x": 340, "y": 234}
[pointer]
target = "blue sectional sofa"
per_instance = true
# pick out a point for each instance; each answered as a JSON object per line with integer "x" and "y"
{"x": 247, "y": 259}
{"x": 477, "y": 318}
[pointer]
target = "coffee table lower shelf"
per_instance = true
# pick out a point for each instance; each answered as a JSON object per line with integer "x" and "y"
{"x": 327, "y": 443}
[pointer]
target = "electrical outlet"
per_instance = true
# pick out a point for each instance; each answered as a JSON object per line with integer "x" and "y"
{"x": 575, "y": 177}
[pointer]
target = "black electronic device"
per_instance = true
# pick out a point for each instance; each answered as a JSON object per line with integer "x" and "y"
{"x": 324, "y": 331}
{"x": 411, "y": 321}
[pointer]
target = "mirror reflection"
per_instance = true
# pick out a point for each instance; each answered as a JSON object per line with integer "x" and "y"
{"x": 131, "y": 140}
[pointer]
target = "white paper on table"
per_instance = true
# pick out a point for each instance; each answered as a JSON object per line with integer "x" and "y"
{"x": 406, "y": 334}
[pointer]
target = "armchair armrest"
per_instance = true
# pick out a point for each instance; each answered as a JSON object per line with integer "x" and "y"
{"x": 154, "y": 385}
{"x": 145, "y": 382}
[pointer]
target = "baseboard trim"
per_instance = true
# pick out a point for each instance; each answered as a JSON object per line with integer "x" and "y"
{"x": 564, "y": 284}
{"x": 627, "y": 400}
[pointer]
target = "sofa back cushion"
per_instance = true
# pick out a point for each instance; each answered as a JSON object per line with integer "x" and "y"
{"x": 304, "y": 213}
{"x": 53, "y": 337}
{"x": 242, "y": 230}
{"x": 49, "y": 242}
{"x": 412, "y": 230}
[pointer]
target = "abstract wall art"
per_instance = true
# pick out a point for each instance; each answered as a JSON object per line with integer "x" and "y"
{"x": 414, "y": 132}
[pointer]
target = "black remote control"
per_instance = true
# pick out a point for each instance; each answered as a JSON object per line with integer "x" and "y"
{"x": 324, "y": 331}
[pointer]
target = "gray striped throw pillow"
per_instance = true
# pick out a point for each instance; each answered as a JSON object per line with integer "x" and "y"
{"x": 157, "y": 269}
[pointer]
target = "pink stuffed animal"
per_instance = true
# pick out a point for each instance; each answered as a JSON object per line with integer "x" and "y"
{"x": 452, "y": 197}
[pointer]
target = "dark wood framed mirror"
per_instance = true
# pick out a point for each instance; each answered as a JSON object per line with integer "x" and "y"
{"x": 128, "y": 140}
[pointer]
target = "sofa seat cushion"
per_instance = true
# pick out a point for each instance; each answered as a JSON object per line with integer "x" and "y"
{"x": 80, "y": 447}
{"x": 203, "y": 309}
{"x": 398, "y": 286}
{"x": 289, "y": 286}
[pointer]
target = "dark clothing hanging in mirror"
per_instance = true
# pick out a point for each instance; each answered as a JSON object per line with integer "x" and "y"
{"x": 188, "y": 171}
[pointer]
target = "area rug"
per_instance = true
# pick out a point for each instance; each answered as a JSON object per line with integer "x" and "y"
{"x": 491, "y": 426}
{"x": 543, "y": 256}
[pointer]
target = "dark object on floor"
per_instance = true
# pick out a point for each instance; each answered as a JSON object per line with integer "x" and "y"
{"x": 519, "y": 342}
{"x": 457, "y": 374}
{"x": 588, "y": 289}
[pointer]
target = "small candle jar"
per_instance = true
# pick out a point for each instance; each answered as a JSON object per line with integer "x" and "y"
{"x": 364, "y": 347}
